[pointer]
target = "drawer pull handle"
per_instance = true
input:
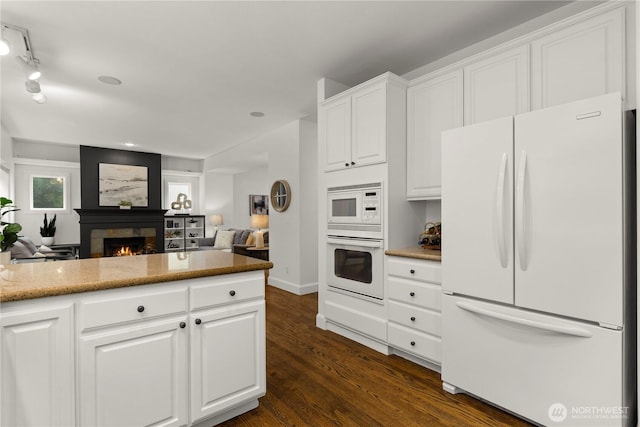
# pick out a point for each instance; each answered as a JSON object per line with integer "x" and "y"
{"x": 346, "y": 164}
{"x": 413, "y": 343}
{"x": 140, "y": 308}
{"x": 412, "y": 271}
{"x": 232, "y": 293}
{"x": 413, "y": 294}
{"x": 413, "y": 318}
{"x": 183, "y": 325}
{"x": 198, "y": 321}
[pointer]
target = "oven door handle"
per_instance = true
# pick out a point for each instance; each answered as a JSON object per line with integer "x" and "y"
{"x": 362, "y": 243}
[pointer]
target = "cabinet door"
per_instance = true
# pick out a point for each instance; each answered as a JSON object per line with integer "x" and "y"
{"x": 335, "y": 119}
{"x": 477, "y": 202}
{"x": 135, "y": 376}
{"x": 582, "y": 61}
{"x": 497, "y": 86}
{"x": 369, "y": 126}
{"x": 227, "y": 358}
{"x": 432, "y": 106}
{"x": 38, "y": 367}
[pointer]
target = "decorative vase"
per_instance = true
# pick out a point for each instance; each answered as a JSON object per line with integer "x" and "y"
{"x": 47, "y": 241}
{"x": 5, "y": 258}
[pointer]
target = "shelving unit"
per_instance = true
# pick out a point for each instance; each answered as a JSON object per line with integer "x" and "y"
{"x": 183, "y": 232}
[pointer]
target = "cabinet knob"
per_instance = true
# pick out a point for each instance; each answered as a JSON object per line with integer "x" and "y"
{"x": 346, "y": 164}
{"x": 353, "y": 163}
{"x": 412, "y": 271}
{"x": 413, "y": 318}
{"x": 198, "y": 321}
{"x": 183, "y": 325}
{"x": 140, "y": 308}
{"x": 413, "y": 343}
{"x": 232, "y": 293}
{"x": 413, "y": 294}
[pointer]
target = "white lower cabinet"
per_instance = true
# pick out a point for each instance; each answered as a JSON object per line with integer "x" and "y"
{"x": 414, "y": 307}
{"x": 37, "y": 365}
{"x": 135, "y": 375}
{"x": 169, "y": 354}
{"x": 227, "y": 358}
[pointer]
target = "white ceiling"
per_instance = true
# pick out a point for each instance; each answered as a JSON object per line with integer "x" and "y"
{"x": 192, "y": 71}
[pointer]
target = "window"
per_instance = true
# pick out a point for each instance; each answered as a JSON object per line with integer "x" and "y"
{"x": 175, "y": 188}
{"x": 48, "y": 192}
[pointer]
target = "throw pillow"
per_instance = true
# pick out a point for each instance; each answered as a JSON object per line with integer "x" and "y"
{"x": 18, "y": 250}
{"x": 251, "y": 240}
{"x": 28, "y": 244}
{"x": 224, "y": 239}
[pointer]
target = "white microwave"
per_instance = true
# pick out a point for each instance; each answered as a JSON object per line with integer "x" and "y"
{"x": 355, "y": 210}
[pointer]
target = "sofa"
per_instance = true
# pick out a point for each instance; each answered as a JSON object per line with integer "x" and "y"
{"x": 232, "y": 240}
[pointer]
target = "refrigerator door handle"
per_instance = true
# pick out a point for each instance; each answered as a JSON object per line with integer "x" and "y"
{"x": 502, "y": 174}
{"x": 561, "y": 329}
{"x": 520, "y": 208}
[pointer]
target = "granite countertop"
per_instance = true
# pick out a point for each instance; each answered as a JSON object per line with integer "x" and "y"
{"x": 416, "y": 252}
{"x": 45, "y": 279}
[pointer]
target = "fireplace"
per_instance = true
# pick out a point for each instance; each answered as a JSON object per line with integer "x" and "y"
{"x": 127, "y": 246}
{"x": 101, "y": 229}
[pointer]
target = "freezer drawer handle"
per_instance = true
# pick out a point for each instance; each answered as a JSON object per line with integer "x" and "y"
{"x": 567, "y": 330}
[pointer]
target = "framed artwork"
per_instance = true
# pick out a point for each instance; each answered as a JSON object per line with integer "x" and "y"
{"x": 258, "y": 204}
{"x": 117, "y": 183}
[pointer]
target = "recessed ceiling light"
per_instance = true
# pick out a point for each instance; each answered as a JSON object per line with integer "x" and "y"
{"x": 129, "y": 144}
{"x": 256, "y": 114}
{"x": 110, "y": 80}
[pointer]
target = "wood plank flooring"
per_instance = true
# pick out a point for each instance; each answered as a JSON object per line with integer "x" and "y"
{"x": 318, "y": 378}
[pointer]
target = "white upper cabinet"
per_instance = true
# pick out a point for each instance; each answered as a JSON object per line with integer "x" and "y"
{"x": 433, "y": 105}
{"x": 497, "y": 86}
{"x": 580, "y": 61}
{"x": 336, "y": 122}
{"x": 354, "y": 124}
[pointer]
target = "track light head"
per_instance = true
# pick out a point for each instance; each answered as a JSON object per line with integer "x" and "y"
{"x": 40, "y": 97}
{"x": 32, "y": 86}
{"x": 4, "y": 47}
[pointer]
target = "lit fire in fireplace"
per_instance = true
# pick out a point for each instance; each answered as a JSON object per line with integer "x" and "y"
{"x": 124, "y": 251}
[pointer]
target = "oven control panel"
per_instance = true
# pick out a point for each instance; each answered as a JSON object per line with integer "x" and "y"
{"x": 371, "y": 206}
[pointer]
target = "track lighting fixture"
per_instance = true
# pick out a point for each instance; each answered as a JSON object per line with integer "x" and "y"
{"x": 28, "y": 62}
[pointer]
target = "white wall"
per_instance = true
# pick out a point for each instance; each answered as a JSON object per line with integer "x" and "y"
{"x": 6, "y": 154}
{"x": 290, "y": 153}
{"x": 67, "y": 226}
{"x": 218, "y": 199}
{"x": 254, "y": 181}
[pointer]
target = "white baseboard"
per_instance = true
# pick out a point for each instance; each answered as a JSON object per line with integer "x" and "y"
{"x": 321, "y": 321}
{"x": 294, "y": 288}
{"x": 359, "y": 338}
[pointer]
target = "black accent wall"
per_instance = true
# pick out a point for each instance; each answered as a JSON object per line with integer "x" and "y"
{"x": 91, "y": 157}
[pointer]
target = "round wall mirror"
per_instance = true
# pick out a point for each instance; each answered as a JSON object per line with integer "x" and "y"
{"x": 280, "y": 195}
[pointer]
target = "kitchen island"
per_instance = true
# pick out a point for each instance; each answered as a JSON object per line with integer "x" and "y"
{"x": 166, "y": 339}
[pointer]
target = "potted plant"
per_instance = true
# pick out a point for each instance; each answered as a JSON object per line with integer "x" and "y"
{"x": 125, "y": 204}
{"x": 9, "y": 234}
{"x": 48, "y": 230}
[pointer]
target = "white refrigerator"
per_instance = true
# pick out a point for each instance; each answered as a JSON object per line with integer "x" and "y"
{"x": 538, "y": 310}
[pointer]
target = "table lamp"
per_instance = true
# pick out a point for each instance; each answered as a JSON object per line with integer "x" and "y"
{"x": 259, "y": 222}
{"x": 216, "y": 220}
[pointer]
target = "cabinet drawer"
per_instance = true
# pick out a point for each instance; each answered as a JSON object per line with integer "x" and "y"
{"x": 426, "y": 271}
{"x": 412, "y": 341}
{"x": 119, "y": 307}
{"x": 424, "y": 295}
{"x": 227, "y": 289}
{"x": 413, "y": 317}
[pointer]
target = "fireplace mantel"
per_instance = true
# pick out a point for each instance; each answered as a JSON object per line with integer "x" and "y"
{"x": 106, "y": 218}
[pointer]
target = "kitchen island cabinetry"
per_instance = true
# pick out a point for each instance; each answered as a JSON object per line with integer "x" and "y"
{"x": 140, "y": 350}
{"x": 415, "y": 320}
{"x": 37, "y": 365}
{"x": 433, "y": 105}
{"x": 357, "y": 125}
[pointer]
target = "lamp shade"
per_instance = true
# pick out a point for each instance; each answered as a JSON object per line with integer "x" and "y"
{"x": 259, "y": 221}
{"x": 216, "y": 219}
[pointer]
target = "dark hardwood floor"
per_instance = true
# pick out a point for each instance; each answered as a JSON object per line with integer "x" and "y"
{"x": 318, "y": 378}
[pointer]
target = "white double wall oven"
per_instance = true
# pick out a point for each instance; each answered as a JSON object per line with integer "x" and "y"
{"x": 355, "y": 244}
